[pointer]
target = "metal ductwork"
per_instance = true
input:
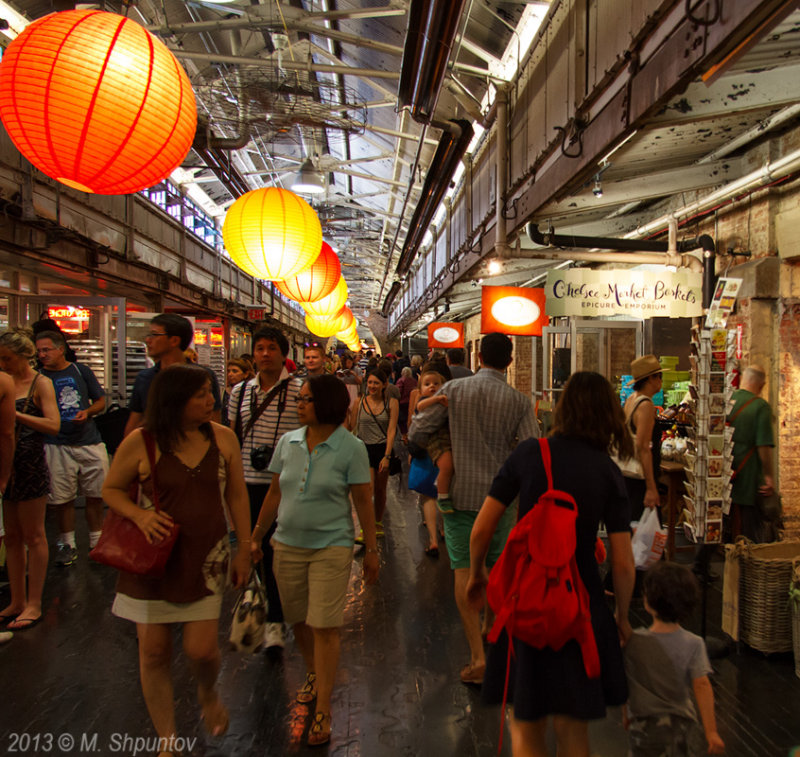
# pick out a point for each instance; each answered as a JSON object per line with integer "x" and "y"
{"x": 449, "y": 153}
{"x": 432, "y": 27}
{"x": 390, "y": 298}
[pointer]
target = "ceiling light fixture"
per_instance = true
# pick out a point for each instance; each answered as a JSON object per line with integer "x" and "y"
{"x": 308, "y": 180}
{"x": 597, "y": 190}
{"x": 494, "y": 266}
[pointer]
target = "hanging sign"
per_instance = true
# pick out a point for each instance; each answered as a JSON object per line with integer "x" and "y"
{"x": 66, "y": 311}
{"x": 722, "y": 302}
{"x": 445, "y": 335}
{"x": 642, "y": 294}
{"x": 512, "y": 310}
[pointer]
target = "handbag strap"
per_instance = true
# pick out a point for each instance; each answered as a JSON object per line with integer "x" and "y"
{"x": 150, "y": 446}
{"x": 384, "y": 431}
{"x": 739, "y": 411}
{"x": 544, "y": 448}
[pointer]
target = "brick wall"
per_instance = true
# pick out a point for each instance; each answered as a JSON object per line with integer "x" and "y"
{"x": 788, "y": 430}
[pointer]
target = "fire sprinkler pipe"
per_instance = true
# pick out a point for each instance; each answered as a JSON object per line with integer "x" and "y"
{"x": 501, "y": 233}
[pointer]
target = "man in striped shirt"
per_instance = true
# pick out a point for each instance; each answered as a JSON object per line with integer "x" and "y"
{"x": 487, "y": 419}
{"x": 259, "y": 426}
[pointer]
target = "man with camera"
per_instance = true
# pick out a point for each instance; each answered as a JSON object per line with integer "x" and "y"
{"x": 260, "y": 411}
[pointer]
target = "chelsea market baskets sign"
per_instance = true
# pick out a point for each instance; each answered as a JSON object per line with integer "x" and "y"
{"x": 641, "y": 294}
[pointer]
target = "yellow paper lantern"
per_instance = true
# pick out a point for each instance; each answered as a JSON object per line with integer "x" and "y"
{"x": 324, "y": 326}
{"x": 272, "y": 233}
{"x": 329, "y": 305}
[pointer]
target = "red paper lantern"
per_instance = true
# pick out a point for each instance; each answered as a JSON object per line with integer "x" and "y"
{"x": 316, "y": 282}
{"x": 96, "y": 102}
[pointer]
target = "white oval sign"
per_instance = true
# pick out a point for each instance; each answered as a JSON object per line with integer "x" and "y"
{"x": 515, "y": 311}
{"x": 446, "y": 334}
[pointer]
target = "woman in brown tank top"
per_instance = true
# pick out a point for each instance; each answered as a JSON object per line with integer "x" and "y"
{"x": 198, "y": 463}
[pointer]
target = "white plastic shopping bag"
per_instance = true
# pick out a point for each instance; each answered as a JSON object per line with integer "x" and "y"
{"x": 648, "y": 540}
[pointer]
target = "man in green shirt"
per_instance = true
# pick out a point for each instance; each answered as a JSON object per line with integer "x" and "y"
{"x": 751, "y": 418}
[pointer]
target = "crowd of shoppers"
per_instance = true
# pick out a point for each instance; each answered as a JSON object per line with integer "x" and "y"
{"x": 299, "y": 450}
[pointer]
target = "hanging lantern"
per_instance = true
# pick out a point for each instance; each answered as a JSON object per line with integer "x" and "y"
{"x": 96, "y": 102}
{"x": 323, "y": 327}
{"x": 315, "y": 282}
{"x": 272, "y": 233}
{"x": 333, "y": 303}
{"x": 345, "y": 319}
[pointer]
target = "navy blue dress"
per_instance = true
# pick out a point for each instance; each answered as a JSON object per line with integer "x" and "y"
{"x": 542, "y": 681}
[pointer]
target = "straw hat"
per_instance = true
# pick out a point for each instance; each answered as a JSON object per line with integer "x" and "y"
{"x": 644, "y": 366}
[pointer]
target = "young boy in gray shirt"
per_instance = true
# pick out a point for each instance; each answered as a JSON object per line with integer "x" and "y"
{"x": 665, "y": 664}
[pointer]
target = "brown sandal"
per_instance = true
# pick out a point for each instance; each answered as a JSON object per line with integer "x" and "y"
{"x": 308, "y": 692}
{"x": 320, "y": 731}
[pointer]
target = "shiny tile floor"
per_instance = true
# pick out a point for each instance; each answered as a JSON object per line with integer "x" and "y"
{"x": 70, "y": 685}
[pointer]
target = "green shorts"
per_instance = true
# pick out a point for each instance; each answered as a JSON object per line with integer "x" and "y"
{"x": 457, "y": 530}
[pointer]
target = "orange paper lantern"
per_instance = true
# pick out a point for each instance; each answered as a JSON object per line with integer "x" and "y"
{"x": 315, "y": 282}
{"x": 272, "y": 233}
{"x": 96, "y": 102}
{"x": 333, "y": 303}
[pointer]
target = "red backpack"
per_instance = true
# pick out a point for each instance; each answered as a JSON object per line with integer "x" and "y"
{"x": 534, "y": 588}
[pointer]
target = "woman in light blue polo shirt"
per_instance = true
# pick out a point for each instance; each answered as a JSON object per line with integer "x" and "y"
{"x": 317, "y": 468}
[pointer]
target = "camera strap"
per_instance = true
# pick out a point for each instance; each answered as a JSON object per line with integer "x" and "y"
{"x": 255, "y": 413}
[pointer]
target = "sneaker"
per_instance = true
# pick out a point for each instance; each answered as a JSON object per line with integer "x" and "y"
{"x": 445, "y": 505}
{"x": 5, "y": 636}
{"x": 274, "y": 635}
{"x": 65, "y": 555}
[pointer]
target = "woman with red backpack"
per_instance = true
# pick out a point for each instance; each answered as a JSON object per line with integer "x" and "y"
{"x": 565, "y": 480}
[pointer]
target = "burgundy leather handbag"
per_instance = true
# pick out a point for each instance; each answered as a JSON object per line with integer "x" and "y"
{"x": 122, "y": 544}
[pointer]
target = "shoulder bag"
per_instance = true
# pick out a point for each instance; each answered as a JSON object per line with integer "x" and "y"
{"x": 122, "y": 544}
{"x": 632, "y": 467}
{"x": 249, "y": 617}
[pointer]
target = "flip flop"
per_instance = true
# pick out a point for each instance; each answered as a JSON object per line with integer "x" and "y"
{"x": 8, "y": 618}
{"x": 432, "y": 551}
{"x": 218, "y": 723}
{"x": 320, "y": 731}
{"x": 23, "y": 624}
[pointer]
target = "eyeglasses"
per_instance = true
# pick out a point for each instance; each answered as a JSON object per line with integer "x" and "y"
{"x": 303, "y": 399}
{"x": 153, "y": 334}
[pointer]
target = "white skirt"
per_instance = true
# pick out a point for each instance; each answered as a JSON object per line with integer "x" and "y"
{"x": 160, "y": 611}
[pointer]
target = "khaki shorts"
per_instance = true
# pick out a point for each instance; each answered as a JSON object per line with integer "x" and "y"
{"x": 76, "y": 470}
{"x": 312, "y": 583}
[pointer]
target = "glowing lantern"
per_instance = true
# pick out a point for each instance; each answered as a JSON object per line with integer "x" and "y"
{"x": 272, "y": 233}
{"x": 96, "y": 102}
{"x": 323, "y": 327}
{"x": 315, "y": 282}
{"x": 329, "y": 305}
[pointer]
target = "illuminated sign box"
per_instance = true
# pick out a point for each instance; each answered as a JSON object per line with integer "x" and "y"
{"x": 515, "y": 311}
{"x": 641, "y": 294}
{"x": 64, "y": 311}
{"x": 445, "y": 335}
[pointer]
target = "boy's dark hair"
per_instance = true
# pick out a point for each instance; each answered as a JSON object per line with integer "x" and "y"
{"x": 176, "y": 325}
{"x": 496, "y": 351}
{"x": 671, "y": 591}
{"x": 56, "y": 337}
{"x": 331, "y": 399}
{"x": 274, "y": 335}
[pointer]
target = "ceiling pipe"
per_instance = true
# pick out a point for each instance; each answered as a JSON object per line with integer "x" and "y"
{"x": 432, "y": 27}
{"x": 452, "y": 147}
{"x": 624, "y": 250}
{"x": 394, "y": 290}
{"x": 769, "y": 172}
{"x": 501, "y": 173}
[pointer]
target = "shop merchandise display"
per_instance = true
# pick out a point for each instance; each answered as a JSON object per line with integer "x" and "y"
{"x": 709, "y": 455}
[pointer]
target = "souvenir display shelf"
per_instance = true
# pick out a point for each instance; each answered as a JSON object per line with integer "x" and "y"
{"x": 709, "y": 456}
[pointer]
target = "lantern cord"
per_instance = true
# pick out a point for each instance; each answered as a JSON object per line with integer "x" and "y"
{"x": 127, "y": 5}
{"x": 285, "y": 28}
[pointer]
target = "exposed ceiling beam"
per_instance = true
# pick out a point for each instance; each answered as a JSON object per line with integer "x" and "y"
{"x": 645, "y": 187}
